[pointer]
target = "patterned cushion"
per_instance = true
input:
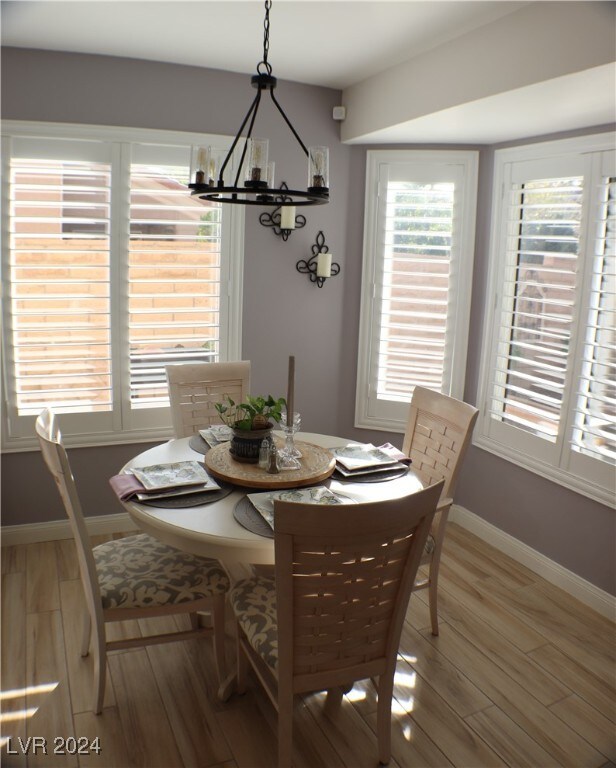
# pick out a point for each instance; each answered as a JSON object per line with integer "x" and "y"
{"x": 254, "y": 604}
{"x": 141, "y": 572}
{"x": 430, "y": 544}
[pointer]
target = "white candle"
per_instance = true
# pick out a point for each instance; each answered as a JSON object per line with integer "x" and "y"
{"x": 201, "y": 159}
{"x": 287, "y": 217}
{"x": 324, "y": 265}
{"x": 291, "y": 390}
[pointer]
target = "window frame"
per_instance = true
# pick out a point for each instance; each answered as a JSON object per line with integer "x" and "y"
{"x": 125, "y": 425}
{"x": 554, "y": 461}
{"x": 389, "y": 415}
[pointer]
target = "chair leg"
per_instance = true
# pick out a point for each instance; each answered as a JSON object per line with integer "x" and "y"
{"x": 383, "y": 716}
{"x": 100, "y": 676}
{"x": 86, "y": 633}
{"x": 435, "y": 563}
{"x": 241, "y": 664}
{"x": 285, "y": 733}
{"x": 194, "y": 620}
{"x": 218, "y": 624}
{"x": 334, "y": 698}
{"x": 433, "y": 597}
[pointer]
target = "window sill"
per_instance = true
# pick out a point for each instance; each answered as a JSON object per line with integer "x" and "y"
{"x": 381, "y": 425}
{"x": 567, "y": 480}
{"x": 29, "y": 444}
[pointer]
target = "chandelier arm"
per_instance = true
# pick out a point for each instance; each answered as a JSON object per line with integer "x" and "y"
{"x": 288, "y": 122}
{"x": 248, "y": 134}
{"x": 253, "y": 108}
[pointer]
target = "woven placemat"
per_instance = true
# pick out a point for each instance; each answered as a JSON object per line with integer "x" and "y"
{"x": 248, "y": 517}
{"x": 197, "y": 443}
{"x": 192, "y": 499}
{"x": 376, "y": 477}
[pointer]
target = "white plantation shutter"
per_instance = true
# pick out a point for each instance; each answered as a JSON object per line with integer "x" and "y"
{"x": 538, "y": 301}
{"x": 57, "y": 292}
{"x": 418, "y": 254}
{"x": 111, "y": 271}
{"x": 416, "y": 273}
{"x": 548, "y": 391}
{"x": 594, "y": 432}
{"x": 174, "y": 279}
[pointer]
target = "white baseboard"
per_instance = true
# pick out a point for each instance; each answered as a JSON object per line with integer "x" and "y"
{"x": 556, "y": 574}
{"x": 30, "y": 533}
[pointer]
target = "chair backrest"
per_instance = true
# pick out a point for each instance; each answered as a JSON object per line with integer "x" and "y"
{"x": 54, "y": 455}
{"x": 437, "y": 436}
{"x": 195, "y": 387}
{"x": 344, "y": 576}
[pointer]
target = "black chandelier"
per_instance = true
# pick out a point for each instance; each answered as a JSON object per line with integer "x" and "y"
{"x": 258, "y": 187}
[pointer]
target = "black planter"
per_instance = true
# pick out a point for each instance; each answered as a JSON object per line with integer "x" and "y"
{"x": 245, "y": 444}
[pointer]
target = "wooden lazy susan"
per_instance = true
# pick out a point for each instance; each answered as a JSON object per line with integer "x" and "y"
{"x": 317, "y": 465}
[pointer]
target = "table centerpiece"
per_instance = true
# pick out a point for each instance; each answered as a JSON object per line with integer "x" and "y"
{"x": 251, "y": 422}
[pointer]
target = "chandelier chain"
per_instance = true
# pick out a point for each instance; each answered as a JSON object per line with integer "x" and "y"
{"x": 266, "y": 27}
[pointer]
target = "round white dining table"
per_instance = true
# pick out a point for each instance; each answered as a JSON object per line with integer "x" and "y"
{"x": 211, "y": 530}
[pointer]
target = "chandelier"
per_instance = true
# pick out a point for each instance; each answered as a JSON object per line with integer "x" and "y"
{"x": 258, "y": 185}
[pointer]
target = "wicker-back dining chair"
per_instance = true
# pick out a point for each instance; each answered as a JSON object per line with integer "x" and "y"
{"x": 136, "y": 577}
{"x": 334, "y": 614}
{"x": 437, "y": 436}
{"x": 194, "y": 388}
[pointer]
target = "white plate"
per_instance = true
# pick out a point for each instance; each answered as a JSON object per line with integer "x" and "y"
{"x": 159, "y": 476}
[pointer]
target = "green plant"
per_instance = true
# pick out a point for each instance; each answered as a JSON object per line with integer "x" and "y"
{"x": 255, "y": 413}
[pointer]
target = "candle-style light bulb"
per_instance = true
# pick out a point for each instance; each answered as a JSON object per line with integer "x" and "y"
{"x": 270, "y": 173}
{"x": 318, "y": 168}
{"x": 257, "y": 164}
{"x": 202, "y": 165}
{"x": 217, "y": 158}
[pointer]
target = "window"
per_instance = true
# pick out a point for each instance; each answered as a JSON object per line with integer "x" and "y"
{"x": 113, "y": 272}
{"x": 417, "y": 270}
{"x": 548, "y": 374}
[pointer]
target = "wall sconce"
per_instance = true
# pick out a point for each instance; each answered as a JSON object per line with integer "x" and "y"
{"x": 320, "y": 265}
{"x": 283, "y": 219}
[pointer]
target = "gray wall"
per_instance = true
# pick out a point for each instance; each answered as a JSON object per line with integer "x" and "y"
{"x": 283, "y": 313}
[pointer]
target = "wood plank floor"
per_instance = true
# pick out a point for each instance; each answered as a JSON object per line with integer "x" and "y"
{"x": 520, "y": 675}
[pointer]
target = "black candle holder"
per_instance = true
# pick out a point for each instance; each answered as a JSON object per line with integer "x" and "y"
{"x": 273, "y": 219}
{"x": 309, "y": 267}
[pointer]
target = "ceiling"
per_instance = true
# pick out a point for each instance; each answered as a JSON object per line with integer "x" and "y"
{"x": 333, "y": 43}
{"x": 341, "y": 44}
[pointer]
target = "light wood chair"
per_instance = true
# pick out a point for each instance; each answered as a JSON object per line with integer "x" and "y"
{"x": 194, "y": 388}
{"x": 136, "y": 577}
{"x": 334, "y": 613}
{"x": 437, "y": 436}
